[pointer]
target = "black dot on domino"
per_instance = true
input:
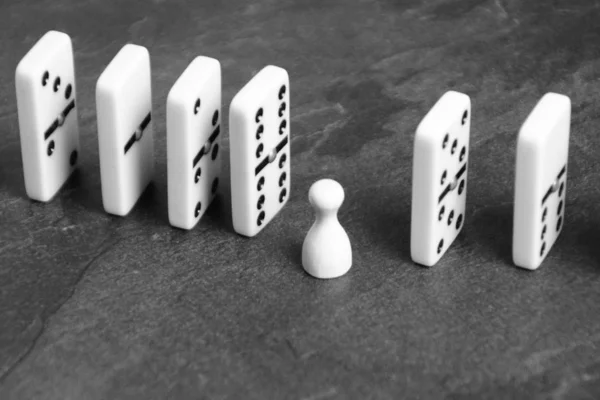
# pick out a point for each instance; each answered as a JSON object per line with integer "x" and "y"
{"x": 215, "y": 185}
{"x": 197, "y": 209}
{"x": 442, "y": 212}
{"x": 261, "y": 202}
{"x": 282, "y": 195}
{"x": 215, "y": 117}
{"x": 197, "y": 175}
{"x": 464, "y": 117}
{"x": 559, "y": 209}
{"x": 261, "y": 183}
{"x": 450, "y": 217}
{"x": 544, "y": 214}
{"x": 259, "y": 115}
{"x": 45, "y": 78}
{"x": 459, "y": 221}
{"x": 196, "y": 106}
{"x": 440, "y": 246}
{"x": 282, "y": 179}
{"x": 261, "y": 218}
{"x": 543, "y": 249}
{"x": 561, "y": 189}
{"x": 282, "y": 91}
{"x": 215, "y": 151}
{"x": 445, "y": 141}
{"x": 444, "y": 176}
{"x": 282, "y": 108}
{"x": 68, "y": 91}
{"x": 463, "y": 153}
{"x": 51, "y": 147}
{"x": 73, "y": 157}
{"x": 259, "y": 150}
{"x": 282, "y": 160}
{"x": 259, "y": 132}
{"x": 56, "y": 84}
{"x": 544, "y": 230}
{"x": 559, "y": 224}
{"x": 454, "y": 145}
{"x": 282, "y": 127}
{"x": 461, "y": 187}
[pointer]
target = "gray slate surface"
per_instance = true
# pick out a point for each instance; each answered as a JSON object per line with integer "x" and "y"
{"x": 100, "y": 307}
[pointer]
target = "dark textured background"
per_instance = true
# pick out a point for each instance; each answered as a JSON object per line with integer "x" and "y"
{"x": 100, "y": 307}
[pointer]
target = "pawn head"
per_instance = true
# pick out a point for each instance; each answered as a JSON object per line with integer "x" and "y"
{"x": 326, "y": 194}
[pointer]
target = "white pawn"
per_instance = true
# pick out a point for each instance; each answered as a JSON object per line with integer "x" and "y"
{"x": 326, "y": 252}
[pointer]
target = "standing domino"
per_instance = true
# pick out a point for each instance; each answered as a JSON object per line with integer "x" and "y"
{"x": 439, "y": 185}
{"x": 193, "y": 137}
{"x": 541, "y": 178}
{"x": 123, "y": 102}
{"x": 45, "y": 85}
{"x": 259, "y": 125}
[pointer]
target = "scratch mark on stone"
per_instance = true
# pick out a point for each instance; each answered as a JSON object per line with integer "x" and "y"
{"x": 534, "y": 361}
{"x": 501, "y": 7}
{"x": 292, "y": 348}
{"x": 322, "y": 395}
{"x": 562, "y": 391}
{"x": 44, "y": 322}
{"x": 311, "y": 112}
{"x": 58, "y": 220}
{"x": 37, "y": 326}
{"x": 327, "y": 131}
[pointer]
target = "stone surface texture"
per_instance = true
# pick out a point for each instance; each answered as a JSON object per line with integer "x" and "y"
{"x": 100, "y": 307}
